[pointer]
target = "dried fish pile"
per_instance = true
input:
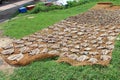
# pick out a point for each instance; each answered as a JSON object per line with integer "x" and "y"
{"x": 98, "y": 17}
{"x": 86, "y": 38}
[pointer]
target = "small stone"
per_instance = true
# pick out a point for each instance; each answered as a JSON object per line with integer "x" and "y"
{"x": 18, "y": 41}
{"x": 34, "y": 45}
{"x": 77, "y": 42}
{"x": 93, "y": 41}
{"x": 77, "y": 46}
{"x": 112, "y": 34}
{"x": 50, "y": 36}
{"x": 110, "y": 31}
{"x": 75, "y": 37}
{"x": 73, "y": 32}
{"x": 87, "y": 49}
{"x": 8, "y": 51}
{"x": 95, "y": 45}
{"x": 73, "y": 56}
{"x": 34, "y": 52}
{"x": 85, "y": 44}
{"x": 39, "y": 37}
{"x": 80, "y": 33}
{"x": 53, "y": 52}
{"x": 117, "y": 30}
{"x": 93, "y": 53}
{"x": 28, "y": 43}
{"x": 105, "y": 57}
{"x": 86, "y": 41}
{"x": 31, "y": 39}
{"x": 100, "y": 42}
{"x": 82, "y": 58}
{"x": 9, "y": 46}
{"x": 19, "y": 46}
{"x": 68, "y": 35}
{"x": 55, "y": 46}
{"x": 24, "y": 49}
{"x": 39, "y": 40}
{"x": 25, "y": 38}
{"x": 112, "y": 28}
{"x": 99, "y": 38}
{"x": 92, "y": 37}
{"x": 111, "y": 38}
{"x": 103, "y": 30}
{"x": 67, "y": 30}
{"x": 65, "y": 54}
{"x": 110, "y": 47}
{"x": 42, "y": 45}
{"x": 102, "y": 47}
{"x": 64, "y": 49}
{"x": 33, "y": 36}
{"x": 70, "y": 45}
{"x": 97, "y": 29}
{"x": 45, "y": 50}
{"x": 73, "y": 28}
{"x": 61, "y": 33}
{"x": 56, "y": 29}
{"x": 61, "y": 37}
{"x": 17, "y": 57}
{"x": 75, "y": 50}
{"x": 51, "y": 41}
{"x": 93, "y": 60}
{"x": 109, "y": 43}
{"x": 85, "y": 52}
{"x": 103, "y": 35}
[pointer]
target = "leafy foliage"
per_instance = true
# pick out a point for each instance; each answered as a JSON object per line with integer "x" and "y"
{"x": 40, "y": 7}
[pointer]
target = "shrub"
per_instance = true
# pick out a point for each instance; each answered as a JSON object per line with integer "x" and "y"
{"x": 74, "y": 3}
{"x": 40, "y": 7}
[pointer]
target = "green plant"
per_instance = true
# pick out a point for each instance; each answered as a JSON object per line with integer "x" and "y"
{"x": 40, "y": 7}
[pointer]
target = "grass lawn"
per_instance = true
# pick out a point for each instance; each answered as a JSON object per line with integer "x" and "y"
{"x": 23, "y": 26}
{"x": 49, "y": 69}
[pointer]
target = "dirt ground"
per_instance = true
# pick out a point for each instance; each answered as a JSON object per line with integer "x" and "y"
{"x": 5, "y": 67}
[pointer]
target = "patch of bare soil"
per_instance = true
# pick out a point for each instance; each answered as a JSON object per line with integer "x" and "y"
{"x": 106, "y": 6}
{"x": 5, "y": 67}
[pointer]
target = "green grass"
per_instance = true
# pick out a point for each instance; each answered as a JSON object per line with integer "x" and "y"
{"x": 23, "y": 26}
{"x": 49, "y": 69}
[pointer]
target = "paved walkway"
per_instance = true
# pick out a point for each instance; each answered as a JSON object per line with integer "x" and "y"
{"x": 9, "y": 6}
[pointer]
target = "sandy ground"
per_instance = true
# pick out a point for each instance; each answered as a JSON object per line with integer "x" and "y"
{"x": 5, "y": 67}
